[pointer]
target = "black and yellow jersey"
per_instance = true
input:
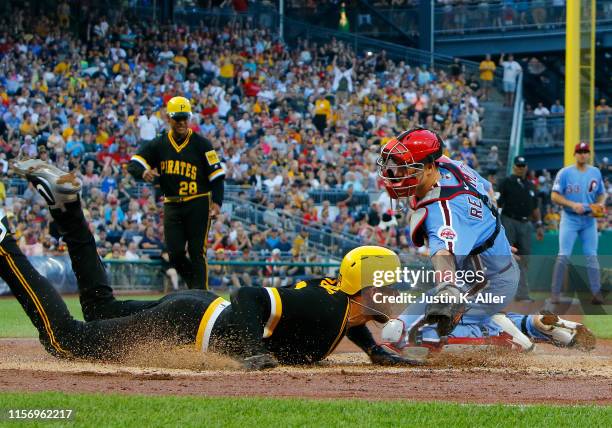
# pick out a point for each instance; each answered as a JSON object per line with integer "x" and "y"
{"x": 307, "y": 322}
{"x": 186, "y": 168}
{"x": 300, "y": 324}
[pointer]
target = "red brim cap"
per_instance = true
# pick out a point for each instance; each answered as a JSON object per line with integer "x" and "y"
{"x": 582, "y": 147}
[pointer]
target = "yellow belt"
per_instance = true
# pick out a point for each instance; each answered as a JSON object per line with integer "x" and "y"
{"x": 177, "y": 199}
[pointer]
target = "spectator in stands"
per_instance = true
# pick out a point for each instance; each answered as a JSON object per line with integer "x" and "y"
{"x": 493, "y": 164}
{"x": 552, "y": 219}
{"x": 605, "y": 168}
{"x": 300, "y": 243}
{"x": 296, "y": 273}
{"x": 149, "y": 125}
{"x": 116, "y": 253}
{"x": 487, "y": 70}
{"x": 242, "y": 240}
{"x": 512, "y": 69}
{"x": 262, "y": 83}
{"x": 343, "y": 77}
{"x": 150, "y": 241}
{"x": 273, "y": 274}
{"x": 284, "y": 245}
{"x": 218, "y": 274}
{"x": 540, "y": 126}
{"x": 259, "y": 246}
{"x": 538, "y": 12}
{"x": 559, "y": 11}
{"x": 272, "y": 239}
{"x": 132, "y": 253}
{"x": 322, "y": 113}
{"x": 270, "y": 215}
{"x": 557, "y": 111}
{"x": 602, "y": 118}
{"x": 467, "y": 154}
{"x": 544, "y": 187}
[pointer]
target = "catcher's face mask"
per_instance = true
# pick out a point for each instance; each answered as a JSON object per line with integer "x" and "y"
{"x": 401, "y": 174}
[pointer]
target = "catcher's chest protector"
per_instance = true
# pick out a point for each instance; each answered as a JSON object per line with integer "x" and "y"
{"x": 466, "y": 185}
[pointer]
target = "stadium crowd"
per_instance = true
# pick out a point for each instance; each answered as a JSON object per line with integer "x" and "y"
{"x": 286, "y": 121}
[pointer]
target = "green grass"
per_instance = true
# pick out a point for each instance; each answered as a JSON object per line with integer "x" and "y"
{"x": 14, "y": 323}
{"x": 125, "y": 411}
{"x": 601, "y": 325}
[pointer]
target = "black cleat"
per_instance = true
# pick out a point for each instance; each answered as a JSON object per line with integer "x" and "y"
{"x": 597, "y": 299}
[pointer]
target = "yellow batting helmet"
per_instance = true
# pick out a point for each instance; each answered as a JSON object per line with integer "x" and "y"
{"x": 179, "y": 108}
{"x": 360, "y": 266}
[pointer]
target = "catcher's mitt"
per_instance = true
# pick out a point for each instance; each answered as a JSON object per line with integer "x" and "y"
{"x": 597, "y": 210}
{"x": 447, "y": 310}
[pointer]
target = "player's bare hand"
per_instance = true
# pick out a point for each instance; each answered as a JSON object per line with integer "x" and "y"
{"x": 578, "y": 208}
{"x": 515, "y": 253}
{"x": 150, "y": 174}
{"x": 539, "y": 233}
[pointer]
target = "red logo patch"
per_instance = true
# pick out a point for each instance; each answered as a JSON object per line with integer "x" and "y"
{"x": 447, "y": 233}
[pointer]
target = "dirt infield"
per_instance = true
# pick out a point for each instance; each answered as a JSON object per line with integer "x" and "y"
{"x": 549, "y": 375}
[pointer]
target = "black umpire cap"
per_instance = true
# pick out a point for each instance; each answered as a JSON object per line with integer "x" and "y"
{"x": 520, "y": 161}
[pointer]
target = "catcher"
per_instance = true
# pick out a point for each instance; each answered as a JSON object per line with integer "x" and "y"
{"x": 454, "y": 213}
{"x": 261, "y": 326}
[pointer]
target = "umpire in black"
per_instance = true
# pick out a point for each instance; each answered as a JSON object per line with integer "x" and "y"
{"x": 191, "y": 179}
{"x": 519, "y": 203}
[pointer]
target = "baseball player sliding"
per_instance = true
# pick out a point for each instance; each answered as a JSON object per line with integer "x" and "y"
{"x": 262, "y": 327}
{"x": 579, "y": 189}
{"x": 454, "y": 213}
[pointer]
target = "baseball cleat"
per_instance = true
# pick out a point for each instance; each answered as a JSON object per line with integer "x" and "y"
{"x": 564, "y": 333}
{"x": 260, "y": 362}
{"x": 4, "y": 225}
{"x": 597, "y": 299}
{"x": 57, "y": 187}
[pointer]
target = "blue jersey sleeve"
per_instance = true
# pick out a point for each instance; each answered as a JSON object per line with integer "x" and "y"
{"x": 600, "y": 184}
{"x": 559, "y": 184}
{"x": 448, "y": 228}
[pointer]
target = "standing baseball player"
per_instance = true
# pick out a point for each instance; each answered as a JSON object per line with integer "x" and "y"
{"x": 191, "y": 179}
{"x": 453, "y": 212}
{"x": 579, "y": 189}
{"x": 262, "y": 327}
{"x": 519, "y": 203}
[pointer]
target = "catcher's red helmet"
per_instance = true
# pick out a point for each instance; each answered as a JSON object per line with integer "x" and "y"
{"x": 402, "y": 159}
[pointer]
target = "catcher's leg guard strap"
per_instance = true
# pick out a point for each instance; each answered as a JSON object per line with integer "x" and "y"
{"x": 524, "y": 326}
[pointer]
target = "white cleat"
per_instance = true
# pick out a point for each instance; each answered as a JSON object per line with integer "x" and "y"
{"x": 564, "y": 333}
{"x": 57, "y": 187}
